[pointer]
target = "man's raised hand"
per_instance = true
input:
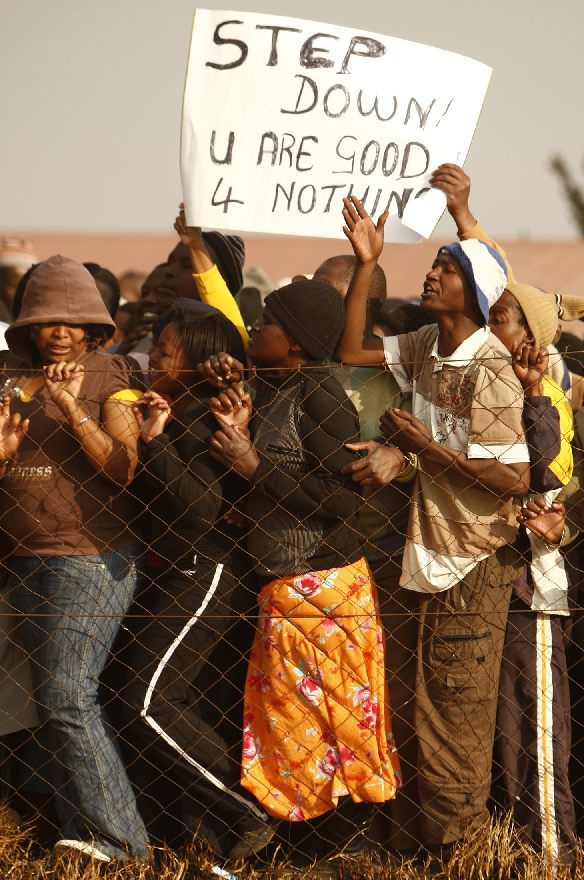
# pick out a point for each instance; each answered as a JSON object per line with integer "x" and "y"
{"x": 365, "y": 236}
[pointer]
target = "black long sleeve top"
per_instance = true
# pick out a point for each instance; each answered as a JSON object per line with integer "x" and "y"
{"x": 302, "y": 508}
{"x": 186, "y": 492}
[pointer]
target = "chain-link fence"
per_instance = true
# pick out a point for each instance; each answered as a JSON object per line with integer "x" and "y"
{"x": 283, "y": 639}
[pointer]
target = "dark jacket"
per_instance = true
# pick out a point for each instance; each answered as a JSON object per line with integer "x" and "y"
{"x": 186, "y": 492}
{"x": 302, "y": 509}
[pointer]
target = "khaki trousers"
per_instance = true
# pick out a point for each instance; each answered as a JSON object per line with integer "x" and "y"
{"x": 460, "y": 644}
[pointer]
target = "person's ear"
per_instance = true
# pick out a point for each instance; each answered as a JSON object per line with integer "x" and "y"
{"x": 529, "y": 337}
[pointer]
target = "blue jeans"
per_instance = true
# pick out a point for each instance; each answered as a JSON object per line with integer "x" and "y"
{"x": 72, "y": 608}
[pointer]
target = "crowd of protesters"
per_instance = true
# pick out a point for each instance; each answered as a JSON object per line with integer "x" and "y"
{"x": 323, "y": 551}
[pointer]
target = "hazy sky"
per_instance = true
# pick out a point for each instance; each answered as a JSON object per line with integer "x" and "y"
{"x": 91, "y": 92}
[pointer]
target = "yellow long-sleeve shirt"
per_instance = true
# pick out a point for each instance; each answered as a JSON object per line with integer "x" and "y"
{"x": 213, "y": 290}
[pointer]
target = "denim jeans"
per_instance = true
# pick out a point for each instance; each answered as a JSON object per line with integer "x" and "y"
{"x": 72, "y": 608}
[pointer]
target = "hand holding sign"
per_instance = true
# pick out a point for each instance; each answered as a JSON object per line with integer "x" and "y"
{"x": 455, "y": 185}
{"x": 191, "y": 236}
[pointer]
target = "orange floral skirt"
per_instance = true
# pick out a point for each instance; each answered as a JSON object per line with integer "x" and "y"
{"x": 316, "y": 716}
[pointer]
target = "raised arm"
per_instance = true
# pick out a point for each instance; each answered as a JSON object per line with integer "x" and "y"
{"x": 548, "y": 421}
{"x": 210, "y": 283}
{"x": 366, "y": 239}
{"x": 455, "y": 184}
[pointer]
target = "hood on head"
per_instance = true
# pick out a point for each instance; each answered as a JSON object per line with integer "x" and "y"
{"x": 60, "y": 290}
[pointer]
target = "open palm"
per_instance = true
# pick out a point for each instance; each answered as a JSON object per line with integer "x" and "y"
{"x": 365, "y": 236}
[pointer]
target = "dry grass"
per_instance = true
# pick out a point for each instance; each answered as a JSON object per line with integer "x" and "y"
{"x": 495, "y": 852}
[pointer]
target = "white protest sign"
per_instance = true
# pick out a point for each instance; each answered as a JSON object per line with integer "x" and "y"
{"x": 284, "y": 117}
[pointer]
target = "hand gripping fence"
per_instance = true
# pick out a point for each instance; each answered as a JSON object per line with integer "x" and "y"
{"x": 224, "y": 670}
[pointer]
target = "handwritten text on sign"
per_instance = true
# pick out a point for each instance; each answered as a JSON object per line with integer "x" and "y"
{"x": 283, "y": 118}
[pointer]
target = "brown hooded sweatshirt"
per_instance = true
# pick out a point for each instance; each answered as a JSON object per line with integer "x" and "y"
{"x": 52, "y": 501}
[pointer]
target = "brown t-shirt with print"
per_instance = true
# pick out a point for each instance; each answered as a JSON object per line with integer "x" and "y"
{"x": 52, "y": 501}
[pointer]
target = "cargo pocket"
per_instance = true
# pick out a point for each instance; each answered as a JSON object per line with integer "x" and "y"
{"x": 460, "y": 667}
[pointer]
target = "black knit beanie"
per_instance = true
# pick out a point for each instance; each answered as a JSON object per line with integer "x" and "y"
{"x": 312, "y": 312}
{"x": 229, "y": 251}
